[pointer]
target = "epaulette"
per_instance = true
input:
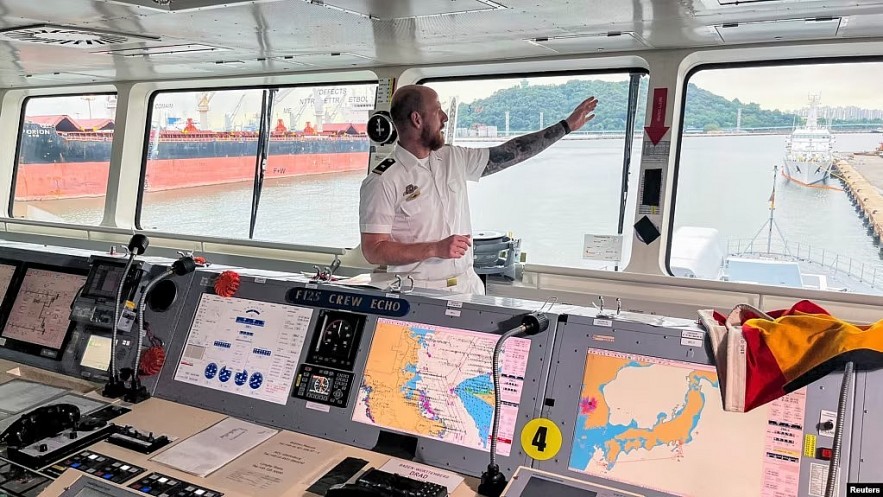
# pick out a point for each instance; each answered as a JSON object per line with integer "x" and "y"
{"x": 384, "y": 165}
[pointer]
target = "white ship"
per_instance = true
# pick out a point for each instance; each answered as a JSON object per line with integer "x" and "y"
{"x": 809, "y": 151}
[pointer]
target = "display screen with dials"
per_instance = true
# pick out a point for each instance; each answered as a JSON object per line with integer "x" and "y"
{"x": 336, "y": 339}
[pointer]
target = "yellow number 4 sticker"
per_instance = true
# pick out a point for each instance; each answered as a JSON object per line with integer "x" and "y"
{"x": 541, "y": 439}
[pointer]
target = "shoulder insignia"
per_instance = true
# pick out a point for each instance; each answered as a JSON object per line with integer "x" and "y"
{"x": 383, "y": 166}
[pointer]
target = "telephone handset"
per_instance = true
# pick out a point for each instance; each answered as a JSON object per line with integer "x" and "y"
{"x": 42, "y": 422}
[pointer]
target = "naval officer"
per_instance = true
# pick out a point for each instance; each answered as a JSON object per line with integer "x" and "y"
{"x": 414, "y": 208}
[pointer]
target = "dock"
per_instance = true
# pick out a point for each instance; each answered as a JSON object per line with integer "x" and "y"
{"x": 862, "y": 179}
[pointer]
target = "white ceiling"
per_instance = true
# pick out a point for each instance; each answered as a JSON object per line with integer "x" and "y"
{"x": 243, "y": 36}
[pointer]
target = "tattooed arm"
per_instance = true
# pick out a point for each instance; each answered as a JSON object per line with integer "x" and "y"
{"x": 524, "y": 147}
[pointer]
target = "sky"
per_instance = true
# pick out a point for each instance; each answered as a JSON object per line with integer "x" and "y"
{"x": 788, "y": 87}
{"x": 774, "y": 87}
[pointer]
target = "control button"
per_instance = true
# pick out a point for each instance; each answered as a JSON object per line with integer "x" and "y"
{"x": 824, "y": 454}
{"x": 827, "y": 425}
{"x": 72, "y": 435}
{"x": 43, "y": 448}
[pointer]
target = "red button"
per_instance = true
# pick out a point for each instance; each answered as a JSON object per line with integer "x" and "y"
{"x": 825, "y": 454}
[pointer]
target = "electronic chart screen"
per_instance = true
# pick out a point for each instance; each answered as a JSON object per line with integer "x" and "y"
{"x": 244, "y": 347}
{"x": 436, "y": 382}
{"x": 104, "y": 280}
{"x": 41, "y": 313}
{"x": 7, "y": 271}
{"x": 657, "y": 423}
{"x": 97, "y": 353}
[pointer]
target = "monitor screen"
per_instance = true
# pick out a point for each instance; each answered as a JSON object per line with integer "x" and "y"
{"x": 104, "y": 279}
{"x": 658, "y": 423}
{"x": 6, "y": 273}
{"x": 41, "y": 312}
{"x": 97, "y": 353}
{"x": 244, "y": 347}
{"x": 436, "y": 382}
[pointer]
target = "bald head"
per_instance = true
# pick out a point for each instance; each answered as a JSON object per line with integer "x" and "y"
{"x": 407, "y": 100}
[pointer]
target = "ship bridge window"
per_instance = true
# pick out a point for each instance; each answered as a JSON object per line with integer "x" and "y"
{"x": 199, "y": 175}
{"x": 770, "y": 158}
{"x": 63, "y": 158}
{"x": 569, "y": 193}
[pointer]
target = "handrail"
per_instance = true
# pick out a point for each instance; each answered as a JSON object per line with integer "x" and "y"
{"x": 671, "y": 282}
{"x": 201, "y": 240}
{"x": 868, "y": 273}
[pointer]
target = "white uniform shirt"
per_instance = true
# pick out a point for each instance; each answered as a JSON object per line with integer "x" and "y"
{"x": 416, "y": 203}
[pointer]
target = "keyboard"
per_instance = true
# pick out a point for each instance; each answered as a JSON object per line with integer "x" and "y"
{"x": 400, "y": 486}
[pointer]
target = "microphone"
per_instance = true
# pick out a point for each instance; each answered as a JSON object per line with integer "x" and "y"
{"x": 183, "y": 266}
{"x": 137, "y": 245}
{"x": 493, "y": 482}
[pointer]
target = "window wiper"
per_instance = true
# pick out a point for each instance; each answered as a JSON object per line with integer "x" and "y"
{"x": 260, "y": 166}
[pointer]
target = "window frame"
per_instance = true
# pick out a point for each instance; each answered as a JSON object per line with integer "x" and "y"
{"x": 139, "y": 202}
{"x": 628, "y": 71}
{"x": 676, "y": 167}
{"x": 18, "y": 144}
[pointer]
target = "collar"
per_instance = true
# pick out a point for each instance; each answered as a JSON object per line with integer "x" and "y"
{"x": 406, "y": 158}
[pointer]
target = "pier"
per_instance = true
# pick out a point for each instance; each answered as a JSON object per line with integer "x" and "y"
{"x": 862, "y": 179}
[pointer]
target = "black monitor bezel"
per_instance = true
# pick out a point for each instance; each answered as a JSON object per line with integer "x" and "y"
{"x": 121, "y": 263}
{"x": 9, "y": 303}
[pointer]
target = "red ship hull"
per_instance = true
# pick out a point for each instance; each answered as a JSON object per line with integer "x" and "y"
{"x": 89, "y": 179}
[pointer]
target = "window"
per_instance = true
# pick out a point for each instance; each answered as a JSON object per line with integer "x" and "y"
{"x": 759, "y": 197}
{"x": 573, "y": 189}
{"x": 64, "y": 159}
{"x": 199, "y": 174}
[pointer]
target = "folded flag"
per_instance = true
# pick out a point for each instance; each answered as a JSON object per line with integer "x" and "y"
{"x": 763, "y": 356}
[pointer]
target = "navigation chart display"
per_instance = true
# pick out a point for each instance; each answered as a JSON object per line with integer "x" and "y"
{"x": 7, "y": 271}
{"x": 664, "y": 436}
{"x": 244, "y": 347}
{"x": 41, "y": 313}
{"x": 436, "y": 382}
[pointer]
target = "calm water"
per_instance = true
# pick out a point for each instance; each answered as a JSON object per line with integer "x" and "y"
{"x": 550, "y": 202}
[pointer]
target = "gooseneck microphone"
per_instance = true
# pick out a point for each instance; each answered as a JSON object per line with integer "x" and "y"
{"x": 493, "y": 482}
{"x": 137, "y": 245}
{"x": 180, "y": 267}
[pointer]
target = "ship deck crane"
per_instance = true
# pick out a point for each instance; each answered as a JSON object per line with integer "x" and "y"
{"x": 202, "y": 105}
{"x": 230, "y": 119}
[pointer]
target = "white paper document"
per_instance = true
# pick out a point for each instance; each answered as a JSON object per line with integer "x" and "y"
{"x": 210, "y": 449}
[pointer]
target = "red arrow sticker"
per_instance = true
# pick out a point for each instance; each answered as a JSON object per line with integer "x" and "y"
{"x": 657, "y": 128}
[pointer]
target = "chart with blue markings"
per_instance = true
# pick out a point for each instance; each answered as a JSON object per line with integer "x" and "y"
{"x": 244, "y": 347}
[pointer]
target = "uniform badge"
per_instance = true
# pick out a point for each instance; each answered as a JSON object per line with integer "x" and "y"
{"x": 411, "y": 192}
{"x": 383, "y": 166}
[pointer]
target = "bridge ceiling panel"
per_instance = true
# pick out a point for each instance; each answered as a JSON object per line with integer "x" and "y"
{"x": 236, "y": 37}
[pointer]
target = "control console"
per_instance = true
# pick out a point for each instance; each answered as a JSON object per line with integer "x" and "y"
{"x": 323, "y": 385}
{"x": 47, "y": 450}
{"x": 97, "y": 465}
{"x": 326, "y": 377}
{"x": 95, "y": 305}
{"x": 132, "y": 439}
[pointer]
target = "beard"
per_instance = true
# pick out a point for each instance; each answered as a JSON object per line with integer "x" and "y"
{"x": 433, "y": 141}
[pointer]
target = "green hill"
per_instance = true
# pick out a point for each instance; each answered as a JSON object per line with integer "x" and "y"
{"x": 705, "y": 110}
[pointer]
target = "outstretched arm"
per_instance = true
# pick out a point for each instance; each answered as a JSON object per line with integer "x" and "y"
{"x": 524, "y": 147}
